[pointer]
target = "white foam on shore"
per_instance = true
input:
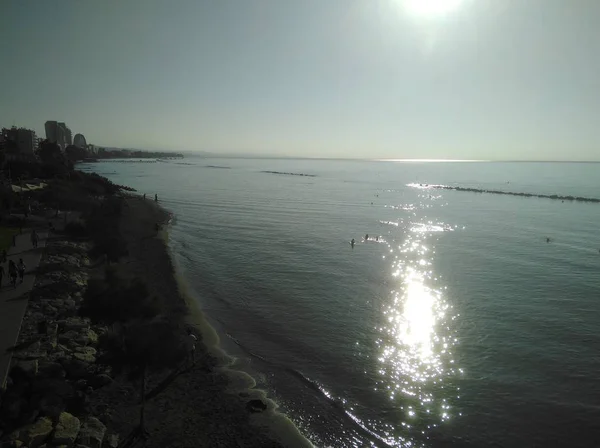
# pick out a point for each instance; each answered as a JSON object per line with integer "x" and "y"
{"x": 275, "y": 423}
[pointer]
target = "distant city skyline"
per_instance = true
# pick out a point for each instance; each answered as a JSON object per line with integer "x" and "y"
{"x": 377, "y": 79}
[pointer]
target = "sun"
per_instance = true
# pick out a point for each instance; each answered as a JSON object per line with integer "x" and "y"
{"x": 431, "y": 7}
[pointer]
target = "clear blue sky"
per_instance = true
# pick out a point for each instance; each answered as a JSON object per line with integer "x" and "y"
{"x": 489, "y": 79}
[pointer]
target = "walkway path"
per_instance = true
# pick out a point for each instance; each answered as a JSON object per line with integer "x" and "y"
{"x": 13, "y": 301}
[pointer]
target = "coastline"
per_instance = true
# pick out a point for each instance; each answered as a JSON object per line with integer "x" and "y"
{"x": 221, "y": 394}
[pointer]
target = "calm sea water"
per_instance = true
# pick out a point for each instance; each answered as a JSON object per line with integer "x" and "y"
{"x": 455, "y": 324}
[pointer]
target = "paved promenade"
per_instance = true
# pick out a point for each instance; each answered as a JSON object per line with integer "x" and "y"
{"x": 13, "y": 301}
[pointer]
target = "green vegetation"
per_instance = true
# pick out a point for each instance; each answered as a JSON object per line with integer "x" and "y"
{"x": 116, "y": 299}
{"x": 6, "y": 236}
{"x": 142, "y": 338}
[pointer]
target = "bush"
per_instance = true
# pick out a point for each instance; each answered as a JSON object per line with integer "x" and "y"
{"x": 116, "y": 299}
{"x": 76, "y": 228}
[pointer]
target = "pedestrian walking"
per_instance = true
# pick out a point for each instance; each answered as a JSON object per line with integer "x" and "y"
{"x": 21, "y": 269}
{"x": 191, "y": 341}
{"x": 12, "y": 272}
{"x": 34, "y": 238}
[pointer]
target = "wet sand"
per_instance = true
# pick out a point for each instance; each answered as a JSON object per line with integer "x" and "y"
{"x": 204, "y": 406}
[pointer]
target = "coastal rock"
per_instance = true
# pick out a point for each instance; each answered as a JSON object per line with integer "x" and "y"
{"x": 50, "y": 310}
{"x": 92, "y": 433}
{"x": 56, "y": 386}
{"x": 67, "y": 430}
{"x": 57, "y": 356}
{"x": 256, "y": 406}
{"x": 100, "y": 380}
{"x": 37, "y": 433}
{"x": 69, "y": 336}
{"x": 51, "y": 405}
{"x": 27, "y": 368}
{"x": 112, "y": 441}
{"x": 75, "y": 323}
{"x": 49, "y": 344}
{"x": 52, "y": 370}
{"x": 85, "y": 357}
{"x": 30, "y": 355}
{"x": 12, "y": 407}
{"x": 75, "y": 368}
{"x": 86, "y": 350}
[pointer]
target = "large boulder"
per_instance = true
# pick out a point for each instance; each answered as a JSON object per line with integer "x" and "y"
{"x": 51, "y": 370}
{"x": 37, "y": 433}
{"x": 101, "y": 380}
{"x": 256, "y": 405}
{"x": 13, "y": 405}
{"x": 85, "y": 357}
{"x": 75, "y": 323}
{"x": 26, "y": 368}
{"x": 67, "y": 430}
{"x": 86, "y": 350}
{"x": 75, "y": 368}
{"x": 92, "y": 433}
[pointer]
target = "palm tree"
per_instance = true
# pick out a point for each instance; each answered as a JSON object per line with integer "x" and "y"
{"x": 143, "y": 347}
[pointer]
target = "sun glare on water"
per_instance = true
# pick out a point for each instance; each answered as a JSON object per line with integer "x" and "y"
{"x": 429, "y": 8}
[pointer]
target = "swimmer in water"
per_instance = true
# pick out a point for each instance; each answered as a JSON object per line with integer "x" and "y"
{"x": 352, "y": 243}
{"x": 547, "y": 239}
{"x": 366, "y": 237}
{"x": 376, "y": 238}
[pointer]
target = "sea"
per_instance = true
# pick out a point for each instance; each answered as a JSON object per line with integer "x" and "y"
{"x": 457, "y": 318}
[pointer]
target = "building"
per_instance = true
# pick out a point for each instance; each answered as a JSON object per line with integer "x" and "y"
{"x": 79, "y": 141}
{"x": 19, "y": 143}
{"x": 68, "y": 134}
{"x": 58, "y": 133}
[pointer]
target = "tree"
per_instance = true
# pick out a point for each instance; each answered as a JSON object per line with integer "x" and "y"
{"x": 115, "y": 299}
{"x": 50, "y": 153}
{"x": 142, "y": 347}
{"x": 75, "y": 153}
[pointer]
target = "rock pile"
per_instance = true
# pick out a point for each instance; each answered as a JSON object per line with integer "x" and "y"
{"x": 54, "y": 370}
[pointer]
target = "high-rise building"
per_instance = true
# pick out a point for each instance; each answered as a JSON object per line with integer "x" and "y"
{"x": 21, "y": 141}
{"x": 68, "y": 134}
{"x": 57, "y": 133}
{"x": 79, "y": 141}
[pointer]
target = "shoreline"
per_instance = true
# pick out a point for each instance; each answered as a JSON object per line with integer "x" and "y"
{"x": 236, "y": 388}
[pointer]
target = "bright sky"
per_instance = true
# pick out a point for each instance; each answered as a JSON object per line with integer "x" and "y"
{"x": 448, "y": 79}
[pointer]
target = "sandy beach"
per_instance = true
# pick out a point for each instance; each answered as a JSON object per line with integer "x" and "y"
{"x": 203, "y": 406}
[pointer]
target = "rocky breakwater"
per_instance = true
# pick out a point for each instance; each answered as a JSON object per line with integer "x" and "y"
{"x": 54, "y": 373}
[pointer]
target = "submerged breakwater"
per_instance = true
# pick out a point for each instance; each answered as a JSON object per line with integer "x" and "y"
{"x": 508, "y": 193}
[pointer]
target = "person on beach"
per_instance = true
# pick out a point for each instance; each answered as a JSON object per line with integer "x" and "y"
{"x": 155, "y": 198}
{"x": 21, "y": 269}
{"x": 1, "y": 275}
{"x": 144, "y": 196}
{"x": 4, "y": 256}
{"x": 34, "y": 238}
{"x": 14, "y": 242}
{"x": 12, "y": 272}
{"x": 191, "y": 340}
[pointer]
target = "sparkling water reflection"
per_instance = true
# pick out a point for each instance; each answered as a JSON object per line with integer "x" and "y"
{"x": 415, "y": 348}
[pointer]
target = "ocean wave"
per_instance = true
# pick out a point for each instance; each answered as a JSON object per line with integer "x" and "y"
{"x": 508, "y": 193}
{"x": 289, "y": 174}
{"x": 338, "y": 404}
